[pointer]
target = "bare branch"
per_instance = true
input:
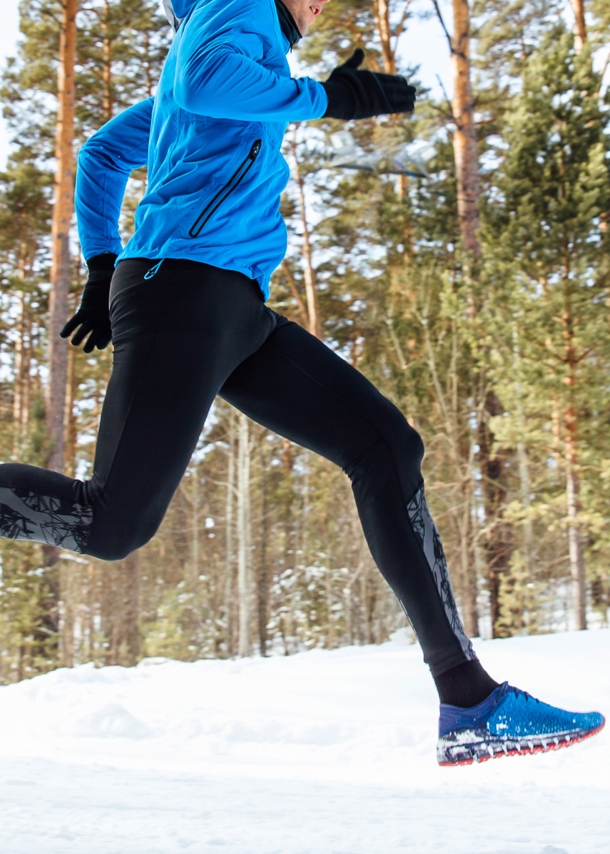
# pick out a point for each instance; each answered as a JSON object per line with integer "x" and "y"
{"x": 452, "y": 50}
{"x": 439, "y": 15}
{"x": 399, "y": 29}
{"x": 449, "y": 104}
{"x": 442, "y": 112}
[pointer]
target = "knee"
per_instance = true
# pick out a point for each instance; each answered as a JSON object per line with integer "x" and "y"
{"x": 112, "y": 551}
{"x": 400, "y": 450}
{"x": 112, "y": 540}
{"x": 405, "y": 442}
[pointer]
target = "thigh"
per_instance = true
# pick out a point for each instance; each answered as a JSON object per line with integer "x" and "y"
{"x": 298, "y": 387}
{"x": 176, "y": 339}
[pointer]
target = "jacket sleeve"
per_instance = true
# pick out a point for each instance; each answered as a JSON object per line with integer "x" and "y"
{"x": 105, "y": 163}
{"x": 223, "y": 78}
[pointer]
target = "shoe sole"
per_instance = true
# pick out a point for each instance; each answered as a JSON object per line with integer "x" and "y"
{"x": 468, "y": 754}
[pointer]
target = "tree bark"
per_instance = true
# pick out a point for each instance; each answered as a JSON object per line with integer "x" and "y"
{"x": 195, "y": 558}
{"x": 498, "y": 542}
{"x": 464, "y": 140}
{"x": 468, "y": 568}
{"x": 107, "y": 67}
{"x": 575, "y": 538}
{"x": 71, "y": 428}
{"x": 262, "y": 584}
{"x": 22, "y": 372}
{"x": 381, "y": 10}
{"x": 524, "y": 477}
{"x": 301, "y": 307}
{"x": 243, "y": 535}
{"x": 580, "y": 26}
{"x": 228, "y": 594}
{"x": 493, "y": 467}
{"x": 309, "y": 273}
{"x": 577, "y": 563}
{"x": 60, "y": 238}
{"x": 133, "y": 641}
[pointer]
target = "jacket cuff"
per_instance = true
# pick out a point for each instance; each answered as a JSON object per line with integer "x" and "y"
{"x": 103, "y": 263}
{"x": 341, "y": 101}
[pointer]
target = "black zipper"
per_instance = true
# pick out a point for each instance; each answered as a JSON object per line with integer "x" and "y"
{"x": 223, "y": 194}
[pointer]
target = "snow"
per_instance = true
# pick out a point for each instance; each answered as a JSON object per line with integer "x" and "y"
{"x": 325, "y": 752}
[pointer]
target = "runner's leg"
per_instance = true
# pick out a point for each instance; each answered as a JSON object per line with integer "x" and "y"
{"x": 301, "y": 389}
{"x": 177, "y": 335}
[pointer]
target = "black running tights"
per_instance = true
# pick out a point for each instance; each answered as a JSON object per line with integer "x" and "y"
{"x": 191, "y": 332}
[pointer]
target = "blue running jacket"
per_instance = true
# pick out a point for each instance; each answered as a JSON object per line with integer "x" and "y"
{"x": 211, "y": 139}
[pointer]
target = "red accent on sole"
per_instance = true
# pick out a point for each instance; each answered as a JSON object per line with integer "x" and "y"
{"x": 526, "y": 751}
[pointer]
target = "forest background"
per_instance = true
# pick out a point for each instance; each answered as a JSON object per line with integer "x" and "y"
{"x": 477, "y": 299}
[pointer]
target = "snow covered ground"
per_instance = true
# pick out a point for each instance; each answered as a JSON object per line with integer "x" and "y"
{"x": 319, "y": 753}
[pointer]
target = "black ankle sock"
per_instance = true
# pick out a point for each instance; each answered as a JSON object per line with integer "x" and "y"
{"x": 466, "y": 685}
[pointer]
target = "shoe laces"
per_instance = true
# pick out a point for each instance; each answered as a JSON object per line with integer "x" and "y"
{"x": 518, "y": 691}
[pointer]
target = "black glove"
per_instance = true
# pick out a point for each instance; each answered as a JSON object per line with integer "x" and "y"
{"x": 354, "y": 94}
{"x": 93, "y": 314}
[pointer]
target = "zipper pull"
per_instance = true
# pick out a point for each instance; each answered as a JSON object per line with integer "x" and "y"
{"x": 255, "y": 150}
{"x": 153, "y": 271}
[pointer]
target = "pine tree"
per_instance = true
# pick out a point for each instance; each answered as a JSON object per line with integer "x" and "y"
{"x": 551, "y": 192}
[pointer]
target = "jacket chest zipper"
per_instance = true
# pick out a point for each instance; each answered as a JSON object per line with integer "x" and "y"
{"x": 223, "y": 194}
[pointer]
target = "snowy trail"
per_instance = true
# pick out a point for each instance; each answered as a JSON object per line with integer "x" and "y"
{"x": 323, "y": 752}
{"x": 64, "y": 809}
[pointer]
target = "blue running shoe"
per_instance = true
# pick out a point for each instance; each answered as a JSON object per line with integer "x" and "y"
{"x": 508, "y": 723}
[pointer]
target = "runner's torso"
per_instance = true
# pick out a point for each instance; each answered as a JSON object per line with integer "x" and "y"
{"x": 215, "y": 181}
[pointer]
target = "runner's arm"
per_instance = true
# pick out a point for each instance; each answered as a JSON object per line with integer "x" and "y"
{"x": 224, "y": 79}
{"x": 105, "y": 163}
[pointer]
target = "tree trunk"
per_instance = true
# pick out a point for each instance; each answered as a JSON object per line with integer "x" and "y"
{"x": 148, "y": 68}
{"x": 493, "y": 464}
{"x": 577, "y": 563}
{"x": 195, "y": 532}
{"x": 22, "y": 370}
{"x": 498, "y": 545}
{"x": 71, "y": 430}
{"x": 524, "y": 478}
{"x": 262, "y": 585}
{"x": 381, "y": 10}
{"x": 130, "y": 567}
{"x": 580, "y": 26}
{"x": 301, "y": 307}
{"x": 229, "y": 535}
{"x": 60, "y": 238}
{"x": 243, "y": 535}
{"x": 468, "y": 568}
{"x": 575, "y": 539}
{"x": 382, "y": 21}
{"x": 464, "y": 140}
{"x": 107, "y": 106}
{"x": 309, "y": 273}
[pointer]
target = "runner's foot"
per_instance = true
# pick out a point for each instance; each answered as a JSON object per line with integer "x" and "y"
{"x": 509, "y": 722}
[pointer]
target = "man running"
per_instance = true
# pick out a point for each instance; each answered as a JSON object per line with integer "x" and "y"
{"x": 185, "y": 308}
